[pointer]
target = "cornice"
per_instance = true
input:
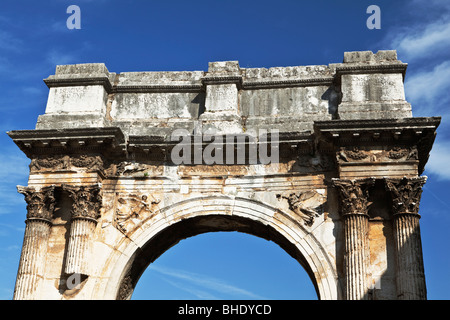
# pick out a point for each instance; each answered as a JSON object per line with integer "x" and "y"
{"x": 68, "y": 140}
{"x": 344, "y": 69}
{"x": 86, "y": 81}
{"x": 273, "y": 84}
{"x": 419, "y": 132}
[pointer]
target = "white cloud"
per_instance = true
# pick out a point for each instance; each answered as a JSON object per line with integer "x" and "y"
{"x": 438, "y": 164}
{"x": 422, "y": 41}
{"x": 205, "y": 282}
{"x": 200, "y": 294}
{"x": 428, "y": 90}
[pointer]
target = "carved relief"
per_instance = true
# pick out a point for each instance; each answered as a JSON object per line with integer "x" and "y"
{"x": 353, "y": 195}
{"x": 405, "y": 194}
{"x": 88, "y": 162}
{"x": 131, "y": 210}
{"x": 307, "y": 205}
{"x": 62, "y": 162}
{"x": 356, "y": 154}
{"x": 50, "y": 163}
{"x": 40, "y": 204}
{"x": 87, "y": 201}
{"x": 125, "y": 168}
{"x": 397, "y": 153}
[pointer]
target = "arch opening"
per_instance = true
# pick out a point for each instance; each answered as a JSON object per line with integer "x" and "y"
{"x": 191, "y": 217}
{"x": 187, "y": 228}
{"x": 225, "y": 266}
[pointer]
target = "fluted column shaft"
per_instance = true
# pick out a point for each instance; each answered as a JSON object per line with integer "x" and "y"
{"x": 40, "y": 207}
{"x": 79, "y": 249}
{"x": 356, "y": 256}
{"x": 410, "y": 270}
{"x": 405, "y": 194}
{"x": 85, "y": 212}
{"x": 353, "y": 203}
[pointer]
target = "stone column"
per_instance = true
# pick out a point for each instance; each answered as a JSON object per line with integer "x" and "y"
{"x": 405, "y": 194}
{"x": 353, "y": 202}
{"x": 40, "y": 207}
{"x": 87, "y": 201}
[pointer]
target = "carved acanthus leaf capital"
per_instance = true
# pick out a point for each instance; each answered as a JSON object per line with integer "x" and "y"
{"x": 40, "y": 203}
{"x": 405, "y": 194}
{"x": 87, "y": 201}
{"x": 353, "y": 195}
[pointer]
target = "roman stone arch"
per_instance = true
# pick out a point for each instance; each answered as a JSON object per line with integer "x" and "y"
{"x": 326, "y": 161}
{"x": 219, "y": 213}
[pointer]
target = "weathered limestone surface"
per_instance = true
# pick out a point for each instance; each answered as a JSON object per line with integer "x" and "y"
{"x": 106, "y": 198}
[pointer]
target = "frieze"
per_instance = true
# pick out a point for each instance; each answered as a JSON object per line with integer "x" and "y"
{"x": 87, "y": 161}
{"x": 49, "y": 163}
{"x": 66, "y": 162}
{"x": 394, "y": 154}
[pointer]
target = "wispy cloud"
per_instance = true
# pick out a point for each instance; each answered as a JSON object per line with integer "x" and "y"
{"x": 428, "y": 90}
{"x": 198, "y": 284}
{"x": 198, "y": 293}
{"x": 439, "y": 160}
{"x": 419, "y": 41}
{"x": 425, "y": 45}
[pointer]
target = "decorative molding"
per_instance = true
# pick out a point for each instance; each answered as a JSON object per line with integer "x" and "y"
{"x": 90, "y": 162}
{"x": 49, "y": 163}
{"x": 86, "y": 81}
{"x": 273, "y": 84}
{"x": 56, "y": 162}
{"x": 63, "y": 141}
{"x": 345, "y": 69}
{"x": 190, "y": 87}
{"x": 354, "y": 154}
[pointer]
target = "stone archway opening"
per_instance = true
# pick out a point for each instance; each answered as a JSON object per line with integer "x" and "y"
{"x": 188, "y": 228}
{"x": 225, "y": 266}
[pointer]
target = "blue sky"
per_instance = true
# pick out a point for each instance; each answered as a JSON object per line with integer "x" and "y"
{"x": 185, "y": 35}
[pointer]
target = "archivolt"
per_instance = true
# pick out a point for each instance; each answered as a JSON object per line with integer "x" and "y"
{"x": 216, "y": 213}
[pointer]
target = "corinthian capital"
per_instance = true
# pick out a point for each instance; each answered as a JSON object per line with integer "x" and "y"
{"x": 353, "y": 195}
{"x": 405, "y": 194}
{"x": 40, "y": 203}
{"x": 87, "y": 201}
